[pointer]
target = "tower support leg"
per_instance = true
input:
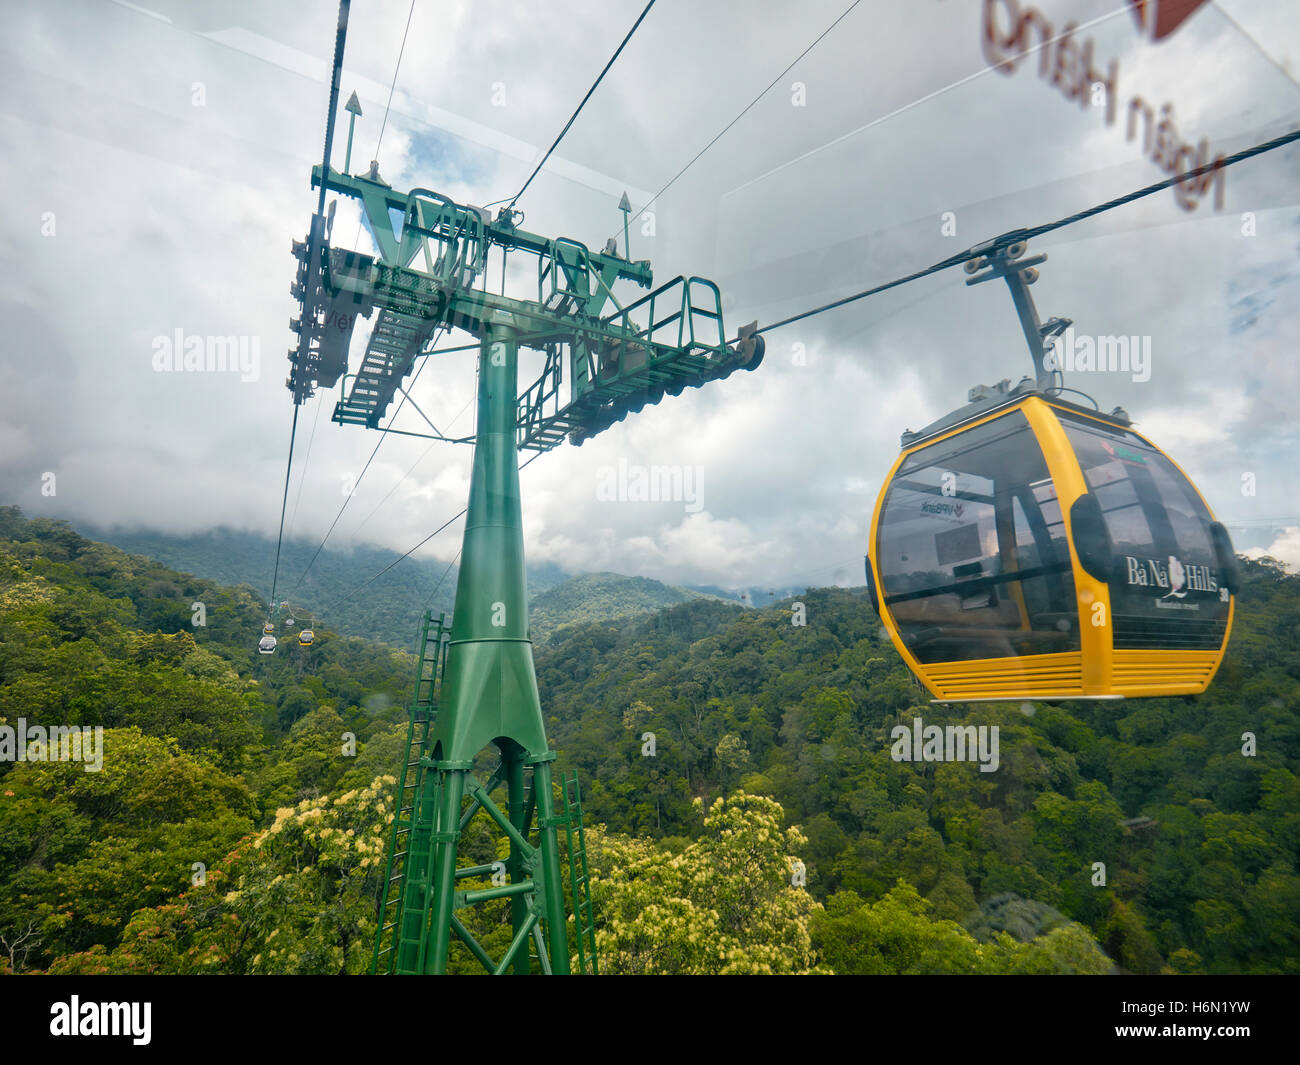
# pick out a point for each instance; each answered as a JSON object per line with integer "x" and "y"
{"x": 513, "y": 757}
{"x": 556, "y": 926}
{"x": 445, "y": 837}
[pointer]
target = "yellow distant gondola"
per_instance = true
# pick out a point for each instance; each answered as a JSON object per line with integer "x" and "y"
{"x": 1041, "y": 550}
{"x": 306, "y": 638}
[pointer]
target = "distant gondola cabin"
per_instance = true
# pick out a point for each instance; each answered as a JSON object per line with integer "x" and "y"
{"x": 1042, "y": 550}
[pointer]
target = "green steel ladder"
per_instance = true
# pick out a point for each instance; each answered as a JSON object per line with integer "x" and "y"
{"x": 401, "y": 920}
{"x": 584, "y": 920}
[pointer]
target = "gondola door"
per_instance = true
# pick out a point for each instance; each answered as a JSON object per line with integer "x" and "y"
{"x": 974, "y": 566}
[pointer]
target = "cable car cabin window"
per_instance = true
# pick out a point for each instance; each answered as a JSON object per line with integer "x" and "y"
{"x": 972, "y": 552}
{"x": 1164, "y": 589}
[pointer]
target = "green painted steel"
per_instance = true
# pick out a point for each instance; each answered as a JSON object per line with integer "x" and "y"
{"x": 489, "y": 688}
{"x": 476, "y": 686}
{"x": 615, "y": 358}
{"x": 518, "y": 865}
{"x": 403, "y": 841}
{"x": 579, "y": 877}
{"x": 486, "y": 695}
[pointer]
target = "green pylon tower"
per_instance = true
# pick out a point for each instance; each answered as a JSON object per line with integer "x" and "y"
{"x": 490, "y": 688}
{"x": 489, "y": 697}
{"x": 476, "y": 686}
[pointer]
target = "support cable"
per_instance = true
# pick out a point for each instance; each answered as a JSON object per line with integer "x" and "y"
{"x": 444, "y": 577}
{"x": 384, "y": 125}
{"x": 393, "y": 87}
{"x": 378, "y": 443}
{"x": 748, "y": 107}
{"x": 423, "y": 456}
{"x": 284, "y": 504}
{"x": 306, "y": 459}
{"x": 431, "y": 535}
{"x": 340, "y": 38}
{"x": 1017, "y": 235}
{"x": 617, "y": 52}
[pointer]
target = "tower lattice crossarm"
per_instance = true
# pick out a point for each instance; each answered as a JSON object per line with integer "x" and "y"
{"x": 603, "y": 358}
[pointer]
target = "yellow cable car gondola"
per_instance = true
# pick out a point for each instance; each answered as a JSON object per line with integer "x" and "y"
{"x": 306, "y": 638}
{"x": 1026, "y": 547}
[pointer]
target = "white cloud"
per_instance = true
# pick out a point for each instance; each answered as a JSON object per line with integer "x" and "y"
{"x": 1285, "y": 548}
{"x": 175, "y": 216}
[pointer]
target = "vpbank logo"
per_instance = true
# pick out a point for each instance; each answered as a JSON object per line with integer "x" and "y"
{"x": 1159, "y": 18}
{"x": 951, "y": 509}
{"x": 1122, "y": 453}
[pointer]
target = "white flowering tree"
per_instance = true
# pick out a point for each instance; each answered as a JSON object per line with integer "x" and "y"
{"x": 724, "y": 904}
{"x": 296, "y": 897}
{"x": 299, "y": 897}
{"x": 307, "y": 895}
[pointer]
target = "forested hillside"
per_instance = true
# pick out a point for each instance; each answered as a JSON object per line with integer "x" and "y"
{"x": 319, "y": 581}
{"x": 203, "y": 737}
{"x": 238, "y": 821}
{"x": 601, "y": 597}
{"x": 1199, "y": 840}
{"x": 392, "y": 603}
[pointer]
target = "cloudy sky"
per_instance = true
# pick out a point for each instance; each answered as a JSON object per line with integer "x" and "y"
{"x": 157, "y": 161}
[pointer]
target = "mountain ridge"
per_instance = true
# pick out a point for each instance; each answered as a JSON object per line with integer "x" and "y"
{"x": 392, "y": 603}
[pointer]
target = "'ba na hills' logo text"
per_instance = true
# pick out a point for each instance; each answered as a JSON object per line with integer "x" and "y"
{"x": 1176, "y": 578}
